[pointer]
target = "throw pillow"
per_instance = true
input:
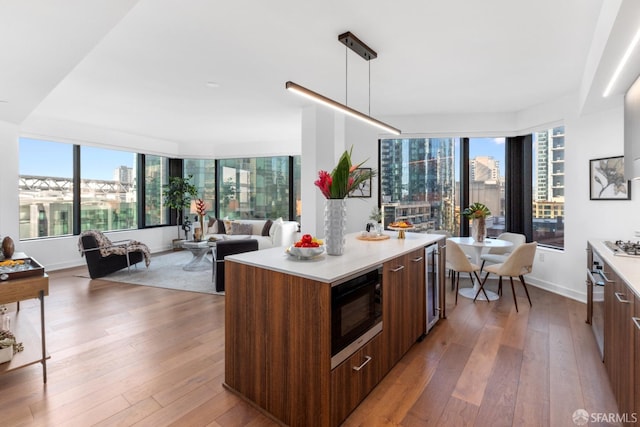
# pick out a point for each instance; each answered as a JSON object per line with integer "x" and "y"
{"x": 227, "y": 225}
{"x": 275, "y": 227}
{"x": 266, "y": 228}
{"x": 212, "y": 226}
{"x": 240, "y": 228}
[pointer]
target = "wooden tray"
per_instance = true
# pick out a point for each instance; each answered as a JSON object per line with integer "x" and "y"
{"x": 34, "y": 269}
{"x": 373, "y": 238}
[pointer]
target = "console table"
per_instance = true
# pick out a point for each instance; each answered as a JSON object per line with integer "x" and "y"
{"x": 35, "y": 349}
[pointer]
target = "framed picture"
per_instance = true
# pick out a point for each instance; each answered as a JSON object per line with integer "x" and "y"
{"x": 364, "y": 189}
{"x": 606, "y": 179}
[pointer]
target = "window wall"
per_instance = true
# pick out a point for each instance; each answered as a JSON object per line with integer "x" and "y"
{"x": 420, "y": 181}
{"x": 45, "y": 188}
{"x": 156, "y": 174}
{"x": 417, "y": 182}
{"x": 65, "y": 189}
{"x": 203, "y": 173}
{"x": 108, "y": 191}
{"x": 254, "y": 187}
{"x": 548, "y": 200}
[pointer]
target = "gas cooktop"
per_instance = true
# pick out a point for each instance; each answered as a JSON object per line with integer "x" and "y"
{"x": 628, "y": 248}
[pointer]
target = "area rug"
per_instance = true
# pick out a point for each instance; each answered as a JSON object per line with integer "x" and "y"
{"x": 165, "y": 271}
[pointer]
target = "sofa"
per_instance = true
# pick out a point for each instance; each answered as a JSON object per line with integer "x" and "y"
{"x": 268, "y": 233}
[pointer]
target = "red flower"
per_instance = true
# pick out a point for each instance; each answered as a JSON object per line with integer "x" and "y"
{"x": 324, "y": 183}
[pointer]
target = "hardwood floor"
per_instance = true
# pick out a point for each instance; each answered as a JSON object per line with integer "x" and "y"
{"x": 134, "y": 355}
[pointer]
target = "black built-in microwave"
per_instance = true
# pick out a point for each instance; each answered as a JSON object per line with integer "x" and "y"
{"x": 356, "y": 313}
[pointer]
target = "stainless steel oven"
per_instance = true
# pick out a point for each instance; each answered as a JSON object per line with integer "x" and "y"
{"x": 356, "y": 313}
{"x": 596, "y": 281}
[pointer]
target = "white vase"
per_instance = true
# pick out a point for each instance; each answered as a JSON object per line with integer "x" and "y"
{"x": 335, "y": 225}
{"x": 478, "y": 229}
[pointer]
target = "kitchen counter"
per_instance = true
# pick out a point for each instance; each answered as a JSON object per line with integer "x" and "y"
{"x": 628, "y": 268}
{"x": 359, "y": 255}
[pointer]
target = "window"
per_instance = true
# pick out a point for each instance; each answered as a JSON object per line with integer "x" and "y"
{"x": 548, "y": 181}
{"x": 417, "y": 181}
{"x": 156, "y": 174}
{"x": 203, "y": 172}
{"x": 254, "y": 187}
{"x": 486, "y": 179}
{"x": 108, "y": 196}
{"x": 45, "y": 188}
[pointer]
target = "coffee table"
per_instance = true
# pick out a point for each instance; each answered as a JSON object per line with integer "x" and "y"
{"x": 199, "y": 250}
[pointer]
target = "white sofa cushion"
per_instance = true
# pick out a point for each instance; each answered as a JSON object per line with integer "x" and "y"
{"x": 281, "y": 233}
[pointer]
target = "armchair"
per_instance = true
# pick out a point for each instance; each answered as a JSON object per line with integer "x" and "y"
{"x": 105, "y": 257}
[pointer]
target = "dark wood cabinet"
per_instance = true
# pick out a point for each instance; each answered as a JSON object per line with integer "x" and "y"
{"x": 619, "y": 342}
{"x": 404, "y": 304}
{"x": 354, "y": 378}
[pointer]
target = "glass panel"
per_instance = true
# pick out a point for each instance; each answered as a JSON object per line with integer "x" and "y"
{"x": 486, "y": 180}
{"x": 254, "y": 188}
{"x": 548, "y": 194}
{"x": 156, "y": 175}
{"x": 417, "y": 182}
{"x": 45, "y": 188}
{"x": 108, "y": 199}
{"x": 203, "y": 172}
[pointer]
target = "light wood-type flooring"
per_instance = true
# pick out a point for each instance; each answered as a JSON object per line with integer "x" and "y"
{"x": 134, "y": 355}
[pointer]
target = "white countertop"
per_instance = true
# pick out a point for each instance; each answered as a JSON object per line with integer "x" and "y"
{"x": 628, "y": 268}
{"x": 359, "y": 255}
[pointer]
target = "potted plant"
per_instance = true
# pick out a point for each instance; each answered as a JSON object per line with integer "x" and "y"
{"x": 8, "y": 346}
{"x": 177, "y": 195}
{"x": 477, "y": 213}
{"x": 376, "y": 217}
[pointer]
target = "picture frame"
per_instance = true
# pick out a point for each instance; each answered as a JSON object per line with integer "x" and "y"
{"x": 364, "y": 189}
{"x": 606, "y": 179}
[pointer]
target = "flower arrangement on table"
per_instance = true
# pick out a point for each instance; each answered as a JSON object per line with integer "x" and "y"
{"x": 344, "y": 178}
{"x": 476, "y": 210}
{"x": 201, "y": 210}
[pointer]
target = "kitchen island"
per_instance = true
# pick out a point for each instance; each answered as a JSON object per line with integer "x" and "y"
{"x": 278, "y": 328}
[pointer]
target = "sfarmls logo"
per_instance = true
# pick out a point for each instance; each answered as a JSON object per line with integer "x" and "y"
{"x": 581, "y": 417}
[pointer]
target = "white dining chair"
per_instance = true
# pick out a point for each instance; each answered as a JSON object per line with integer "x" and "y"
{"x": 458, "y": 262}
{"x": 500, "y": 255}
{"x": 518, "y": 263}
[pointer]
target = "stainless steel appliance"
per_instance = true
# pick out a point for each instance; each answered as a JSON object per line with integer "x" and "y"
{"x": 356, "y": 313}
{"x": 621, "y": 248}
{"x": 432, "y": 280}
{"x": 596, "y": 281}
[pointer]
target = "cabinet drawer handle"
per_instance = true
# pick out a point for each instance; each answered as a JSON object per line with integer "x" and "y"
{"x": 621, "y": 298}
{"x": 367, "y": 359}
{"x": 398, "y": 268}
{"x": 417, "y": 259}
{"x": 636, "y": 320}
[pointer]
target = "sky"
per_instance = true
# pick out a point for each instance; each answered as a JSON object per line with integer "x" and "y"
{"x": 44, "y": 158}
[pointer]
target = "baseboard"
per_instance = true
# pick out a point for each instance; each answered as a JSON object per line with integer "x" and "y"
{"x": 557, "y": 289}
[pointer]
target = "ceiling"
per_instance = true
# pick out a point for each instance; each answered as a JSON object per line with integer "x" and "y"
{"x": 213, "y": 72}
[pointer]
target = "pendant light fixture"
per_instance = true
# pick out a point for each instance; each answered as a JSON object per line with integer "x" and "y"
{"x": 353, "y": 43}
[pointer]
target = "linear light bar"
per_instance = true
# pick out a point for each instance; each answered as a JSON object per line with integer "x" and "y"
{"x": 622, "y": 63}
{"x": 314, "y": 96}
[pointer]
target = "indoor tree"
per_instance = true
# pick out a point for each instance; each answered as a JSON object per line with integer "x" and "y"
{"x": 177, "y": 195}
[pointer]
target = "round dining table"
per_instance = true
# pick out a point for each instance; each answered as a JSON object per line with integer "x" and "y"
{"x": 477, "y": 250}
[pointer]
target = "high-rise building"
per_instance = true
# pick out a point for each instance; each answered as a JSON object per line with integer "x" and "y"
{"x": 123, "y": 174}
{"x": 550, "y": 165}
{"x": 484, "y": 168}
